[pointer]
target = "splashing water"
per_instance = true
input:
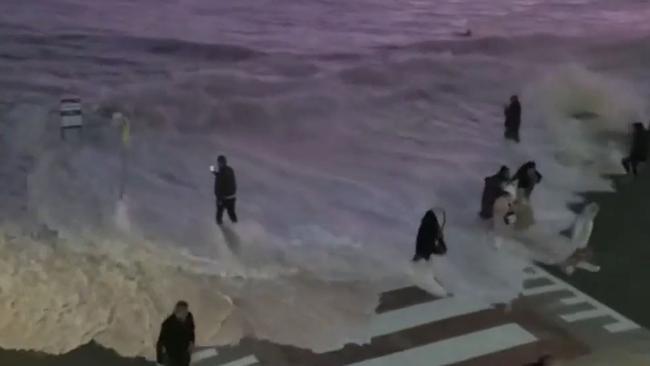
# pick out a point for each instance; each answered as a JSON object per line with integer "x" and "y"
{"x": 337, "y": 157}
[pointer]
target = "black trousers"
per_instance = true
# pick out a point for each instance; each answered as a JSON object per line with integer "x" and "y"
{"x": 631, "y": 163}
{"x": 180, "y": 360}
{"x": 511, "y": 131}
{"x": 227, "y": 205}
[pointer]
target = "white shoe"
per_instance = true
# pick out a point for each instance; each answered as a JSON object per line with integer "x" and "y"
{"x": 589, "y": 267}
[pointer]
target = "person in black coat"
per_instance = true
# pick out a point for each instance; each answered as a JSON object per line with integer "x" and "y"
{"x": 430, "y": 239}
{"x": 225, "y": 190}
{"x": 492, "y": 189}
{"x": 513, "y": 119}
{"x": 527, "y": 177}
{"x": 639, "y": 148}
{"x": 176, "y": 340}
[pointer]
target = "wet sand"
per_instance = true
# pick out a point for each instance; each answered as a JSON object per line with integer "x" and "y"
{"x": 90, "y": 354}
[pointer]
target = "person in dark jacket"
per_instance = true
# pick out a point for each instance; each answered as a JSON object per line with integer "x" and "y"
{"x": 430, "y": 239}
{"x": 638, "y": 150}
{"x": 513, "y": 119}
{"x": 527, "y": 177}
{"x": 176, "y": 340}
{"x": 492, "y": 189}
{"x": 225, "y": 190}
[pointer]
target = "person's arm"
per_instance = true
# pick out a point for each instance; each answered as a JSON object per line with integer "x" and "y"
{"x": 160, "y": 345}
{"x": 234, "y": 182}
{"x": 190, "y": 324}
{"x": 539, "y": 176}
{"x": 190, "y": 320}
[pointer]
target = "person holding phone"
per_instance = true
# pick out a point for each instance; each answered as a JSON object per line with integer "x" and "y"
{"x": 225, "y": 189}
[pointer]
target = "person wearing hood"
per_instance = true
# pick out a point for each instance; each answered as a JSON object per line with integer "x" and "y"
{"x": 176, "y": 340}
{"x": 580, "y": 235}
{"x": 512, "y": 114}
{"x": 638, "y": 150}
{"x": 225, "y": 189}
{"x": 492, "y": 189}
{"x": 527, "y": 177}
{"x": 430, "y": 238}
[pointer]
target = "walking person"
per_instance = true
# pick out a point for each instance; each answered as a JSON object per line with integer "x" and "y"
{"x": 527, "y": 178}
{"x": 638, "y": 150}
{"x": 225, "y": 190}
{"x": 430, "y": 238}
{"x": 176, "y": 340}
{"x": 512, "y": 114}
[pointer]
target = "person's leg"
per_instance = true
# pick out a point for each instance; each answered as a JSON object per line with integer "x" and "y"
{"x": 589, "y": 267}
{"x": 220, "y": 208}
{"x": 230, "y": 206}
{"x": 515, "y": 134}
{"x": 626, "y": 164}
{"x": 634, "y": 164}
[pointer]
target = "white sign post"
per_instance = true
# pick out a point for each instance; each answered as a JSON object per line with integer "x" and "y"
{"x": 71, "y": 115}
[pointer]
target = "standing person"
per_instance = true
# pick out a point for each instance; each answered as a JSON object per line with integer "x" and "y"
{"x": 527, "y": 177}
{"x": 638, "y": 150}
{"x": 580, "y": 235}
{"x": 492, "y": 189}
{"x": 512, "y": 113}
{"x": 225, "y": 189}
{"x": 176, "y": 340}
{"x": 430, "y": 239}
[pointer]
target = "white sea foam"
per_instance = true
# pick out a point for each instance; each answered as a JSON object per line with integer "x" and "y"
{"x": 335, "y": 165}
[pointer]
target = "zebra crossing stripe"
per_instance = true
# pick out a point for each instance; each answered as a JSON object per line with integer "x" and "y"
{"x": 246, "y": 361}
{"x": 458, "y": 349}
{"x": 585, "y": 314}
{"x": 203, "y": 354}
{"x": 621, "y": 323}
{"x": 554, "y": 287}
{"x": 397, "y": 320}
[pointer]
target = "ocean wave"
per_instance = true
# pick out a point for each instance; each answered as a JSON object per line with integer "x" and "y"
{"x": 336, "y": 164}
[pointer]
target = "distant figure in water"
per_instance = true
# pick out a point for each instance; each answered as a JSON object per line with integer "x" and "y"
{"x": 430, "y": 239}
{"x": 494, "y": 186}
{"x": 176, "y": 340}
{"x": 527, "y": 177}
{"x": 638, "y": 150}
{"x": 512, "y": 114}
{"x": 466, "y": 33}
{"x": 225, "y": 190}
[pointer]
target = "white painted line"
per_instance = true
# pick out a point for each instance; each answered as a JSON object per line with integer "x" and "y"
{"x": 246, "y": 361}
{"x": 584, "y": 315}
{"x": 457, "y": 349}
{"x": 574, "y": 300}
{"x": 400, "y": 319}
{"x": 621, "y": 326}
{"x": 203, "y": 354}
{"x": 544, "y": 289}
